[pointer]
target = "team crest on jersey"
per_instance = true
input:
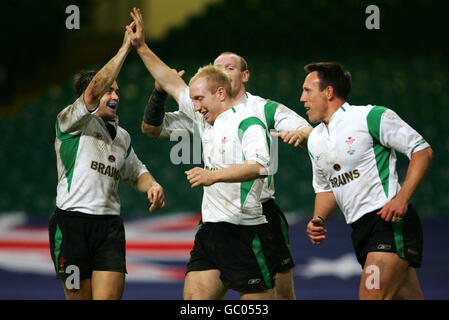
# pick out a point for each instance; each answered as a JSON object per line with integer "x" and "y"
{"x": 349, "y": 143}
{"x": 223, "y": 143}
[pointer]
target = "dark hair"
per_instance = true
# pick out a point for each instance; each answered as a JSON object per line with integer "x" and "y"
{"x": 81, "y": 81}
{"x": 332, "y": 74}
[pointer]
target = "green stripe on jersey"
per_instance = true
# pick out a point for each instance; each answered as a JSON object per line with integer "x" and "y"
{"x": 381, "y": 152}
{"x": 248, "y": 122}
{"x": 270, "y": 111}
{"x": 245, "y": 187}
{"x": 311, "y": 155}
{"x": 128, "y": 151}
{"x": 67, "y": 152}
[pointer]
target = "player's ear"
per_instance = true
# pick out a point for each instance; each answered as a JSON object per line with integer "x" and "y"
{"x": 330, "y": 94}
{"x": 221, "y": 92}
{"x": 245, "y": 76}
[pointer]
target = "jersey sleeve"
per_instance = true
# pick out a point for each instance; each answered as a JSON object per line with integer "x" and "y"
{"x": 254, "y": 141}
{"x": 391, "y": 131}
{"x": 287, "y": 120}
{"x": 186, "y": 105}
{"x": 319, "y": 181}
{"x": 183, "y": 119}
{"x": 281, "y": 118}
{"x": 133, "y": 167}
{"x": 174, "y": 121}
{"x": 72, "y": 118}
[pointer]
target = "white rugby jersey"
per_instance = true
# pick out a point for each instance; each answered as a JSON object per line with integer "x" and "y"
{"x": 237, "y": 135}
{"x": 273, "y": 114}
{"x": 90, "y": 163}
{"x": 355, "y": 157}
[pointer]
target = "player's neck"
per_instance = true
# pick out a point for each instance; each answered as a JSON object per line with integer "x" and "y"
{"x": 239, "y": 95}
{"x": 225, "y": 105}
{"x": 332, "y": 108}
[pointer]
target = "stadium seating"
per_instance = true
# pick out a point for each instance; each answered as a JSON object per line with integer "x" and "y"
{"x": 416, "y": 88}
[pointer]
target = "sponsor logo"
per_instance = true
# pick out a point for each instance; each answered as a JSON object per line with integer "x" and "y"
{"x": 105, "y": 170}
{"x": 254, "y": 281}
{"x": 344, "y": 178}
{"x": 111, "y": 158}
{"x": 337, "y": 167}
{"x": 384, "y": 246}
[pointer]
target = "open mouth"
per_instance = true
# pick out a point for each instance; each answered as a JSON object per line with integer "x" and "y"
{"x": 112, "y": 105}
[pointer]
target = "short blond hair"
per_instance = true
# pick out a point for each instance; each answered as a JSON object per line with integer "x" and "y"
{"x": 216, "y": 78}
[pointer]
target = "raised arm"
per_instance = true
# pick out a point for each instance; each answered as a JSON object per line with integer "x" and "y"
{"x": 153, "y": 115}
{"x": 107, "y": 75}
{"x": 169, "y": 80}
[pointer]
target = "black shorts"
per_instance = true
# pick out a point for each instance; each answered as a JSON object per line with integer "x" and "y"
{"x": 89, "y": 242}
{"x": 245, "y": 255}
{"x": 372, "y": 233}
{"x": 279, "y": 225}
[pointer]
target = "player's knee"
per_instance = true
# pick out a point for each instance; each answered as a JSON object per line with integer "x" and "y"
{"x": 375, "y": 295}
{"x": 285, "y": 295}
{"x": 83, "y": 293}
{"x": 284, "y": 289}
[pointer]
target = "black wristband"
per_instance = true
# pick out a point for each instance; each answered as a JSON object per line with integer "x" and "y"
{"x": 155, "y": 109}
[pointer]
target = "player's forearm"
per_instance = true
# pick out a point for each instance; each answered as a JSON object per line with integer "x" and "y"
{"x": 153, "y": 115}
{"x": 171, "y": 82}
{"x": 105, "y": 78}
{"x": 419, "y": 165}
{"x": 325, "y": 204}
{"x": 144, "y": 182}
{"x": 242, "y": 172}
{"x": 151, "y": 131}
